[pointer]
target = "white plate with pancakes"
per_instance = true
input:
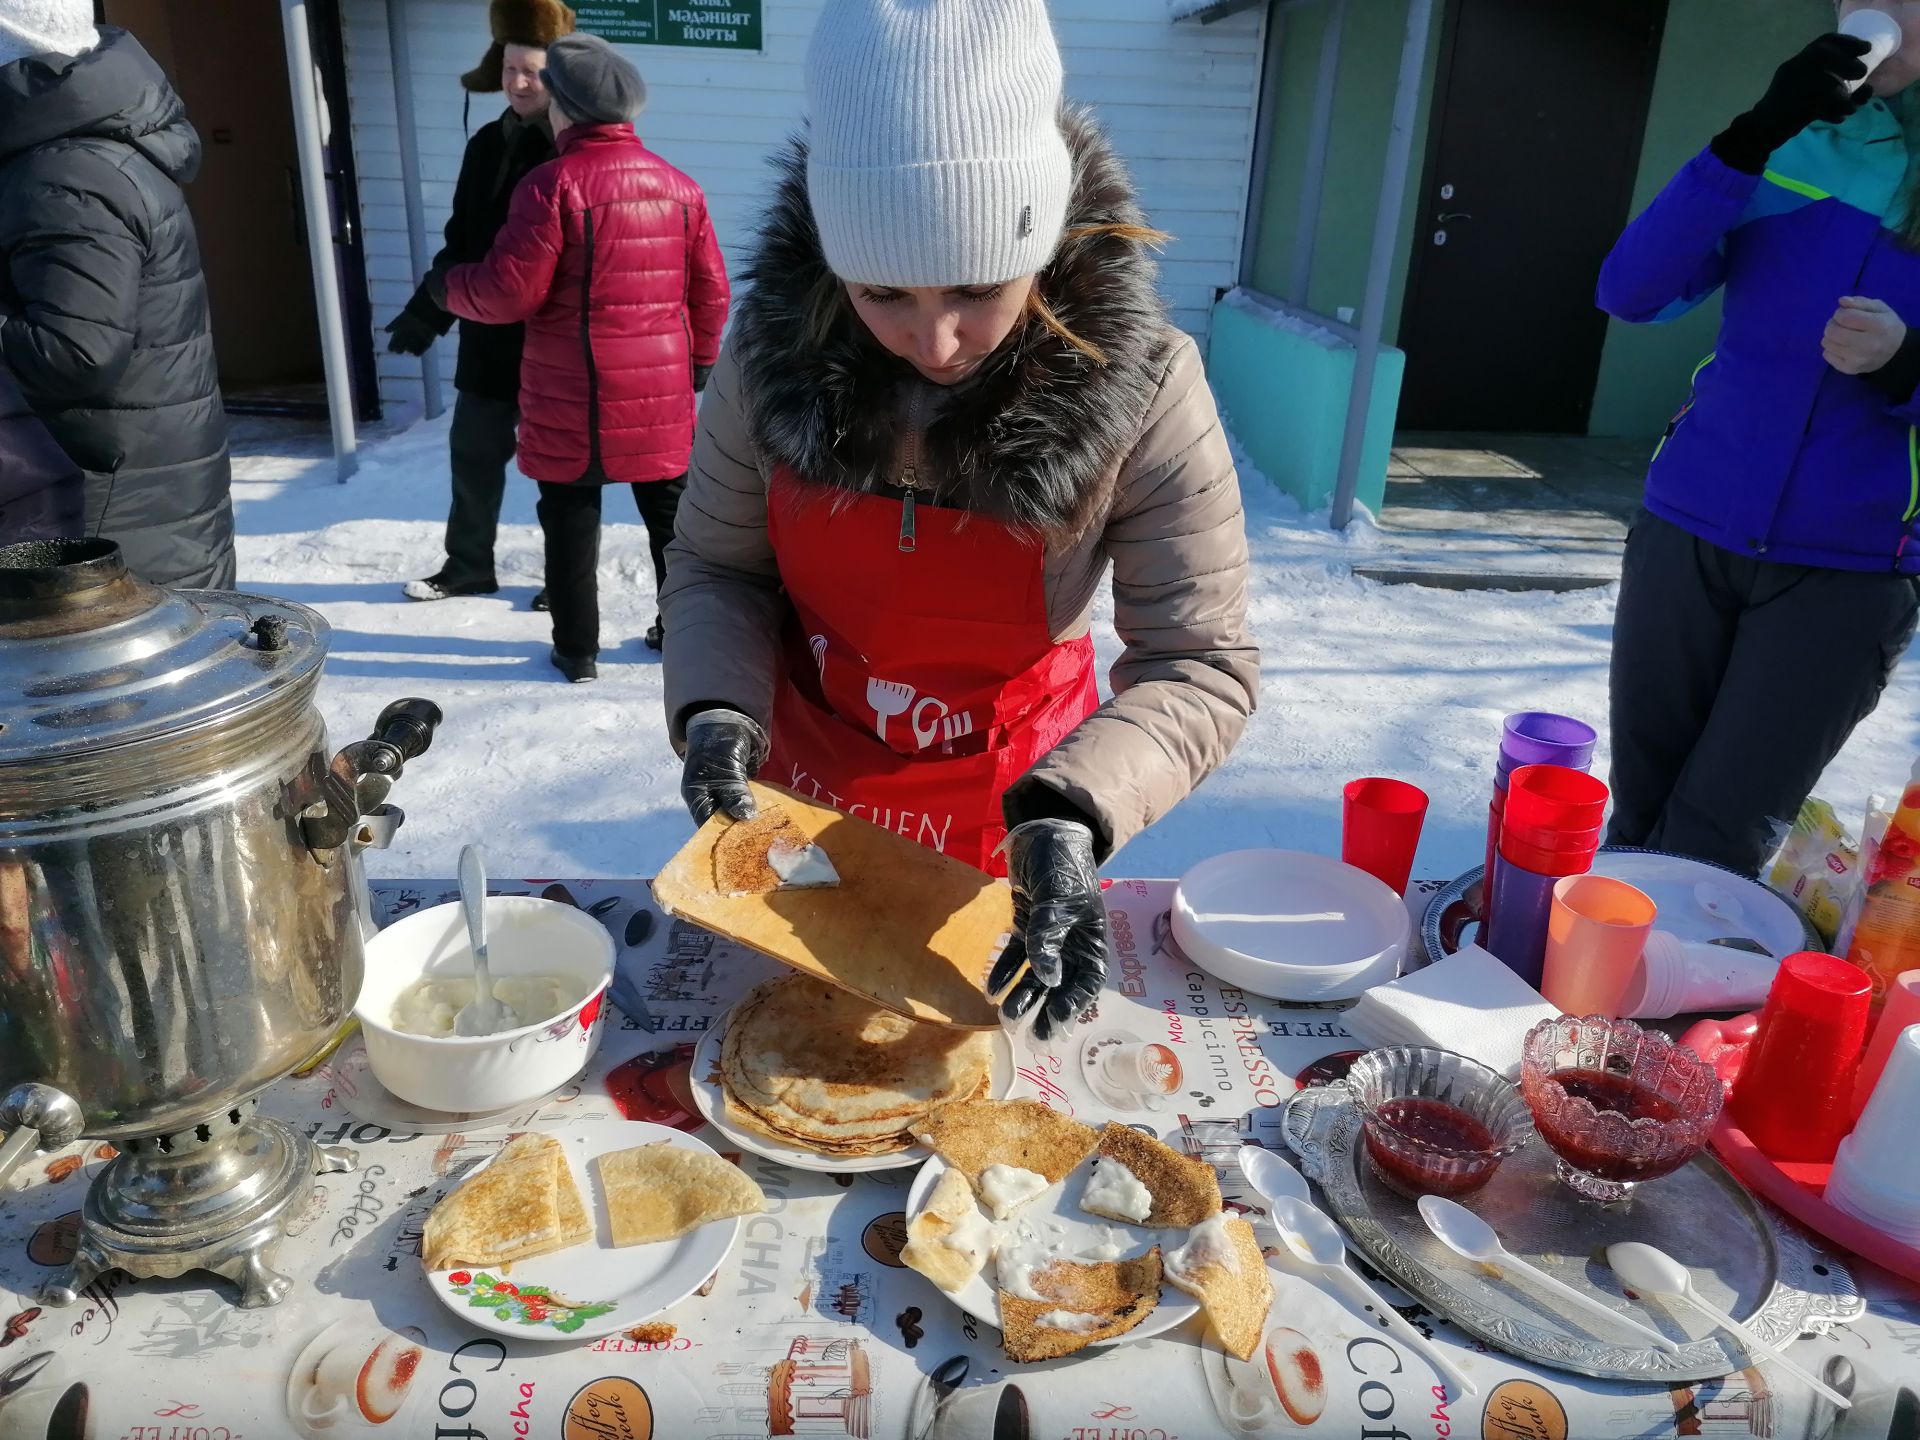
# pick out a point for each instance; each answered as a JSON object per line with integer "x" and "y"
{"x": 1068, "y": 1233}
{"x": 854, "y": 1076}
{"x": 594, "y": 1288}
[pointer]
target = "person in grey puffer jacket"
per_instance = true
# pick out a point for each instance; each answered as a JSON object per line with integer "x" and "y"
{"x": 103, "y": 308}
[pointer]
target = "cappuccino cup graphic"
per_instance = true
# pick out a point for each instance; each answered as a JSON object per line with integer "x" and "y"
{"x": 1149, "y": 1070}
{"x": 350, "y": 1379}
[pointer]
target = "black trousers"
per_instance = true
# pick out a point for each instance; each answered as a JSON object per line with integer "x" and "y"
{"x": 570, "y": 520}
{"x": 1734, "y": 683}
{"x": 480, "y": 446}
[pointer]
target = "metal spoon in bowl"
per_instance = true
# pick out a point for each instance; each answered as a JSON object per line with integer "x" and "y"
{"x": 1654, "y": 1272}
{"x": 482, "y": 1015}
{"x": 1316, "y": 1240}
{"x": 1472, "y": 1238}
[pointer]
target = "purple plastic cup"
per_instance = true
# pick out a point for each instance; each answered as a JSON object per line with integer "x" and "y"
{"x": 1522, "y": 906}
{"x": 1538, "y": 737}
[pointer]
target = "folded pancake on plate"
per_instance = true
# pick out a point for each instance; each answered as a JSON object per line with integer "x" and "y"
{"x": 661, "y": 1191}
{"x": 1085, "y": 1303}
{"x": 1143, "y": 1182}
{"x": 811, "y": 1065}
{"x": 975, "y": 1135}
{"x": 948, "y": 1241}
{"x": 525, "y": 1203}
{"x": 1221, "y": 1266}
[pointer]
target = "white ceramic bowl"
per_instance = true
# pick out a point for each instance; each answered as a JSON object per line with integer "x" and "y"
{"x": 525, "y": 936}
{"x": 1289, "y": 925}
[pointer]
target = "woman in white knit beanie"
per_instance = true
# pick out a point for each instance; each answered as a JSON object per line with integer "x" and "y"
{"x": 950, "y": 401}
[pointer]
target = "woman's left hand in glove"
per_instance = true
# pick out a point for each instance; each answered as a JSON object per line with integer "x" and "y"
{"x": 1862, "y": 336}
{"x": 1059, "y": 925}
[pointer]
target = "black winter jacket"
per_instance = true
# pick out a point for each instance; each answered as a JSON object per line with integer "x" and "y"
{"x": 498, "y": 157}
{"x": 41, "y": 495}
{"x": 103, "y": 310}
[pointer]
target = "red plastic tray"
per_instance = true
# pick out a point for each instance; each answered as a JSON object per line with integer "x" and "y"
{"x": 1793, "y": 1186}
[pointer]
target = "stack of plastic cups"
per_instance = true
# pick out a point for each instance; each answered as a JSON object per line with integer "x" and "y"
{"x": 1901, "y": 1009}
{"x": 1876, "y": 1173}
{"x": 1794, "y": 1093}
{"x": 1532, "y": 737}
{"x": 1549, "y": 829}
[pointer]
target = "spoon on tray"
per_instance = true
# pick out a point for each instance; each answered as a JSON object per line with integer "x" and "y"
{"x": 482, "y": 1015}
{"x": 1654, "y": 1272}
{"x": 1317, "y": 1241}
{"x": 1471, "y": 1238}
{"x": 1274, "y": 1179}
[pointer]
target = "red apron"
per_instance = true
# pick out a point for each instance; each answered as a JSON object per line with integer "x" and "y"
{"x": 919, "y": 684}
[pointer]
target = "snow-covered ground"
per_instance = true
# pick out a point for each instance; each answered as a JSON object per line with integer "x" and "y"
{"x": 560, "y": 780}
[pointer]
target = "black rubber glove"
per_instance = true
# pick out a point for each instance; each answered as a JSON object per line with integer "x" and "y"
{"x": 411, "y": 334}
{"x": 700, "y": 374}
{"x": 1811, "y": 86}
{"x": 1059, "y": 925}
{"x": 724, "y": 750}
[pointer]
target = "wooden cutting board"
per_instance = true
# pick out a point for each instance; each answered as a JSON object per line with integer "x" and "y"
{"x": 906, "y": 927}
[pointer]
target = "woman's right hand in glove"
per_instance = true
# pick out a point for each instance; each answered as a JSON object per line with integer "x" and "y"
{"x": 1808, "y": 87}
{"x": 725, "y": 750}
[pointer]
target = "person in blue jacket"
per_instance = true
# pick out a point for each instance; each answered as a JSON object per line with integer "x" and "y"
{"x": 1769, "y": 584}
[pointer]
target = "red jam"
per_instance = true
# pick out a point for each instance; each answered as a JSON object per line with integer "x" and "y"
{"x": 1405, "y": 1138}
{"x": 1615, "y": 1094}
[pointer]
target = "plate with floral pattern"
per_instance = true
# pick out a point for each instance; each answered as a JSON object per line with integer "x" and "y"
{"x": 594, "y": 1288}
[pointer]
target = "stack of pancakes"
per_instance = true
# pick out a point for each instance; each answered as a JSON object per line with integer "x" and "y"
{"x": 811, "y": 1065}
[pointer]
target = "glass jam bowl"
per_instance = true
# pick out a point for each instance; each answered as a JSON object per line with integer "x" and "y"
{"x": 1433, "y": 1122}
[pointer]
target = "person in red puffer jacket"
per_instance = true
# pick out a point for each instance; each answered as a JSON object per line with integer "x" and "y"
{"x": 610, "y": 259}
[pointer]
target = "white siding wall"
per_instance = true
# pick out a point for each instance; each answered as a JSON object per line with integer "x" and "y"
{"x": 1178, "y": 99}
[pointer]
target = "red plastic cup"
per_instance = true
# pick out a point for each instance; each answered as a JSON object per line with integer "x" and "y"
{"x": 1555, "y": 863}
{"x": 1794, "y": 1094}
{"x": 1554, "y": 840}
{"x": 1380, "y": 828}
{"x": 1552, "y": 797}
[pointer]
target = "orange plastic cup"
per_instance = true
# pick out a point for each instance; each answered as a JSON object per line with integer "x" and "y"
{"x": 1595, "y": 934}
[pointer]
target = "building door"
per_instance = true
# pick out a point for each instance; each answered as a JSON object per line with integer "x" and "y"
{"x": 228, "y": 60}
{"x": 1538, "y": 113}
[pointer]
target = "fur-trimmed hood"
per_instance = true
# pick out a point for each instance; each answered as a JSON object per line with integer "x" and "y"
{"x": 1036, "y": 437}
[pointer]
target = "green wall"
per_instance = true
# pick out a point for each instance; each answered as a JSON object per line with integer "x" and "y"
{"x": 1702, "y": 83}
{"x": 1715, "y": 61}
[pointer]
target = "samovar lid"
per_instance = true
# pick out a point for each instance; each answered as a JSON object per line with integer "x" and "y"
{"x": 93, "y": 659}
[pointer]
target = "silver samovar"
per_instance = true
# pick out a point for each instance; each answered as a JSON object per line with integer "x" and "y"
{"x": 181, "y": 901}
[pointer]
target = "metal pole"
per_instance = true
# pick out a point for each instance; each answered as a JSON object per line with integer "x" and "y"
{"x": 1386, "y": 231}
{"x": 1319, "y": 138}
{"x": 313, "y": 185}
{"x": 401, "y": 49}
{"x": 1264, "y": 120}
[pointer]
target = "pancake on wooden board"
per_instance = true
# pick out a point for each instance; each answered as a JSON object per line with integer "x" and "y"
{"x": 816, "y": 1066}
{"x": 525, "y": 1203}
{"x": 976, "y": 1134}
{"x": 1184, "y": 1191}
{"x": 1236, "y": 1297}
{"x": 661, "y": 1191}
{"x": 742, "y": 853}
{"x": 1119, "y": 1293}
{"x": 949, "y": 1239}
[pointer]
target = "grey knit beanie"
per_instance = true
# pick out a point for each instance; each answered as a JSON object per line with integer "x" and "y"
{"x": 935, "y": 155}
{"x": 45, "y": 27}
{"x": 594, "y": 83}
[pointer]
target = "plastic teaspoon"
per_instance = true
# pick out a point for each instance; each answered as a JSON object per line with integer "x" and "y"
{"x": 1654, "y": 1272}
{"x": 1316, "y": 1239}
{"x": 482, "y": 1016}
{"x": 1472, "y": 1238}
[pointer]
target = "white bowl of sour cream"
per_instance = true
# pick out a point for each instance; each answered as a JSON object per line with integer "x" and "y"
{"x": 551, "y": 965}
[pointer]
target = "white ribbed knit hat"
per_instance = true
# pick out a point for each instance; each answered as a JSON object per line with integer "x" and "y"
{"x": 935, "y": 155}
{"x": 45, "y": 27}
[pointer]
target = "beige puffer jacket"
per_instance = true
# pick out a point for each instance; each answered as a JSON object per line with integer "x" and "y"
{"x": 1123, "y": 464}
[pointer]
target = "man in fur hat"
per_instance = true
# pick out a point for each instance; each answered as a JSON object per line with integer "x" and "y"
{"x": 487, "y": 377}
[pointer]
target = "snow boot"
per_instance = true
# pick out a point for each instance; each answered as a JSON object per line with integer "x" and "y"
{"x": 539, "y": 601}
{"x": 577, "y": 668}
{"x": 656, "y": 636}
{"x": 438, "y": 587}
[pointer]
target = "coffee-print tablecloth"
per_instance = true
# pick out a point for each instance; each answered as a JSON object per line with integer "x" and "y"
{"x": 812, "y": 1326}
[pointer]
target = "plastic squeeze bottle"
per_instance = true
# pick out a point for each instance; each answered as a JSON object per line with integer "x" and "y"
{"x": 1887, "y": 939}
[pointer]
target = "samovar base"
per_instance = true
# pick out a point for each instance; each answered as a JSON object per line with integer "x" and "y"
{"x": 214, "y": 1197}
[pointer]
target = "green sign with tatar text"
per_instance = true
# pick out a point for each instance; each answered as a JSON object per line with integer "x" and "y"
{"x": 713, "y": 24}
